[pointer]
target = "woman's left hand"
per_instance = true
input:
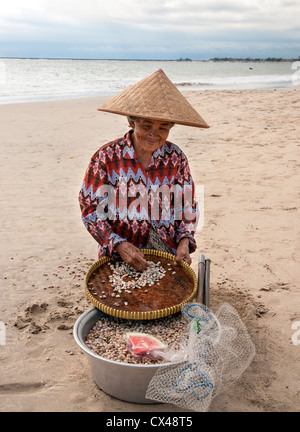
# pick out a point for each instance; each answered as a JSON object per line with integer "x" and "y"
{"x": 183, "y": 252}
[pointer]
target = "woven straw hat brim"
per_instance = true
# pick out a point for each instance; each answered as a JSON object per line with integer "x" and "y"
{"x": 155, "y": 97}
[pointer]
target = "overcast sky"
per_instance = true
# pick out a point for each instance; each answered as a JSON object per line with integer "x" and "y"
{"x": 151, "y": 29}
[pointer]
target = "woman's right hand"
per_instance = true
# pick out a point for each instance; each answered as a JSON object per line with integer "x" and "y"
{"x": 132, "y": 255}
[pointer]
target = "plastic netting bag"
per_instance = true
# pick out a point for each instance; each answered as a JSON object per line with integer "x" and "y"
{"x": 217, "y": 352}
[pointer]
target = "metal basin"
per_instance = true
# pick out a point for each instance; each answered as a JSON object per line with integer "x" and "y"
{"x": 124, "y": 381}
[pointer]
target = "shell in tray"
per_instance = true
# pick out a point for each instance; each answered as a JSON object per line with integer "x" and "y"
{"x": 122, "y": 292}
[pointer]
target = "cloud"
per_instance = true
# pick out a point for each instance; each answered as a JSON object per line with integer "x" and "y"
{"x": 151, "y": 14}
{"x": 149, "y": 26}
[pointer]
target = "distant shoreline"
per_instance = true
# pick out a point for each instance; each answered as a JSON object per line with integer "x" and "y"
{"x": 215, "y": 59}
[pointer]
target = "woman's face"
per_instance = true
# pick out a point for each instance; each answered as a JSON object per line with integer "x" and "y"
{"x": 149, "y": 135}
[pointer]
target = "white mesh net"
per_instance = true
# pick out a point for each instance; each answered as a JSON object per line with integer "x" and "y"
{"x": 217, "y": 351}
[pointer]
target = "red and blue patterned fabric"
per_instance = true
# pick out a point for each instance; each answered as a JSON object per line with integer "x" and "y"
{"x": 120, "y": 200}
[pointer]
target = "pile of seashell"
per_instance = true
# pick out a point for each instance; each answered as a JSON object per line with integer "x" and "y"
{"x": 107, "y": 337}
{"x": 126, "y": 278}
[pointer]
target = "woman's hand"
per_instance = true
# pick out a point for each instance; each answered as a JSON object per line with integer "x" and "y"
{"x": 132, "y": 255}
{"x": 183, "y": 251}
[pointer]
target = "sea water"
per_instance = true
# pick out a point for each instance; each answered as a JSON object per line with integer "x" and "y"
{"x": 23, "y": 80}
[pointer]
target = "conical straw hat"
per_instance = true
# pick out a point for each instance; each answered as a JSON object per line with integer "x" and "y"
{"x": 155, "y": 97}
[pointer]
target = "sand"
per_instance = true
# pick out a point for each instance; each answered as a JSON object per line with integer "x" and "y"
{"x": 248, "y": 162}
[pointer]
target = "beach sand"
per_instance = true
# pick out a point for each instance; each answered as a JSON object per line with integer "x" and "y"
{"x": 248, "y": 162}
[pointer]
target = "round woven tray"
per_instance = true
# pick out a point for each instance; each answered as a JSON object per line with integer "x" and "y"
{"x": 140, "y": 315}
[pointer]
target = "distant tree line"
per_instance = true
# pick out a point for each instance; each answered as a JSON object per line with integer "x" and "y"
{"x": 249, "y": 59}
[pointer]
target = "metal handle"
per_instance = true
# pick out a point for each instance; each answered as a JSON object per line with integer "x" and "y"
{"x": 207, "y": 282}
{"x": 201, "y": 276}
{"x": 203, "y": 280}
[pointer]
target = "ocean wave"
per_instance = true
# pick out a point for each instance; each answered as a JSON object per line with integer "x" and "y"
{"x": 192, "y": 84}
{"x": 39, "y": 79}
{"x": 238, "y": 82}
{"x": 208, "y": 81}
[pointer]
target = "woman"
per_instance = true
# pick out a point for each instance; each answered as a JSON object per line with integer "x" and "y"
{"x": 138, "y": 191}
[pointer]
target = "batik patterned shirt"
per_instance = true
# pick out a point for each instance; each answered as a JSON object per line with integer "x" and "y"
{"x": 120, "y": 200}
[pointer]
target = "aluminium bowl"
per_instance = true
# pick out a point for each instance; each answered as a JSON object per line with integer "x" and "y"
{"x": 124, "y": 381}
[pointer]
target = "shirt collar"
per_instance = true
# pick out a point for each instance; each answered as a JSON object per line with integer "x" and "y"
{"x": 128, "y": 149}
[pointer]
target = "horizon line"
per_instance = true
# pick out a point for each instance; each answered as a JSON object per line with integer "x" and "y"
{"x": 187, "y": 59}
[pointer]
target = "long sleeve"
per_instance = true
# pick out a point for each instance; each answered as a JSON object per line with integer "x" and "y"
{"x": 93, "y": 198}
{"x": 186, "y": 218}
